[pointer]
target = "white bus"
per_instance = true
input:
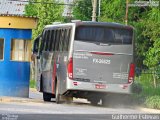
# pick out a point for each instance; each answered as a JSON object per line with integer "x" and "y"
{"x": 84, "y": 60}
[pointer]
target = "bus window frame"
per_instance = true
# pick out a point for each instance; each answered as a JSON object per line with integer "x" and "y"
{"x": 54, "y": 39}
{"x": 50, "y": 40}
{"x": 64, "y": 40}
{"x": 44, "y": 40}
{"x": 47, "y": 40}
{"x": 42, "y": 44}
{"x": 57, "y": 40}
{"x": 68, "y": 38}
{"x": 36, "y": 43}
{"x": 61, "y": 40}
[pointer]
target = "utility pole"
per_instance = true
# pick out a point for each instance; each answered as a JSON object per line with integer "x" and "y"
{"x": 94, "y": 12}
{"x": 126, "y": 17}
{"x": 99, "y": 10}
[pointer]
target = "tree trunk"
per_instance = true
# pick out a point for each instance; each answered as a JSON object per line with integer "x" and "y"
{"x": 154, "y": 80}
{"x": 94, "y": 12}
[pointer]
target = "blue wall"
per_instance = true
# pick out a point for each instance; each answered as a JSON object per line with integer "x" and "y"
{"x": 14, "y": 75}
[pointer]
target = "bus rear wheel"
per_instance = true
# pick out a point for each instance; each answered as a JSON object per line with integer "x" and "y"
{"x": 94, "y": 101}
{"x": 105, "y": 103}
{"x": 47, "y": 96}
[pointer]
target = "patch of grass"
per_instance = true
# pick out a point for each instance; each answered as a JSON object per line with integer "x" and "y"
{"x": 150, "y": 96}
{"x": 150, "y": 91}
{"x": 32, "y": 84}
{"x": 153, "y": 102}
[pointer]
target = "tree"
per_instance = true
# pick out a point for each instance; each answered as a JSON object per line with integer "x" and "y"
{"x": 112, "y": 11}
{"x": 83, "y": 10}
{"x": 47, "y": 13}
{"x": 152, "y": 31}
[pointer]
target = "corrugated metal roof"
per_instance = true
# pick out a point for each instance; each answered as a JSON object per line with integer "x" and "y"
{"x": 12, "y": 7}
{"x": 18, "y": 15}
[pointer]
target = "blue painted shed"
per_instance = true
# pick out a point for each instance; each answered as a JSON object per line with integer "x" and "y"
{"x": 15, "y": 51}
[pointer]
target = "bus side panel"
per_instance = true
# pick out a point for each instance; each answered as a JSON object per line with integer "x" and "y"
{"x": 47, "y": 70}
{"x": 62, "y": 71}
{"x": 38, "y": 74}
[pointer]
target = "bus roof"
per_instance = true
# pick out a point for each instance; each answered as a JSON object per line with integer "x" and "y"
{"x": 90, "y": 23}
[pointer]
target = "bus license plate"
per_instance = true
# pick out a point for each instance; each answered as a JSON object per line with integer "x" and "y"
{"x": 100, "y": 86}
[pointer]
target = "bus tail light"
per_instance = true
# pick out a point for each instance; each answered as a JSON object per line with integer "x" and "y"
{"x": 70, "y": 68}
{"x": 131, "y": 73}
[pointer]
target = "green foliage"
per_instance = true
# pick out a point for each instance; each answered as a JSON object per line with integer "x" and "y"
{"x": 150, "y": 96}
{"x": 152, "y": 31}
{"x": 112, "y": 11}
{"x": 145, "y": 79}
{"x": 83, "y": 10}
{"x": 153, "y": 102}
{"x": 47, "y": 14}
{"x": 150, "y": 91}
{"x": 31, "y": 10}
{"x": 32, "y": 84}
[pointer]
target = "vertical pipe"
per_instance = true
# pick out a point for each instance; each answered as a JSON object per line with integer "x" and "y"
{"x": 126, "y": 17}
{"x": 99, "y": 14}
{"x": 94, "y": 4}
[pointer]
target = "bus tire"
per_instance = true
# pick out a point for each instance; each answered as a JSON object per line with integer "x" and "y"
{"x": 57, "y": 95}
{"x": 104, "y": 102}
{"x": 94, "y": 101}
{"x": 47, "y": 96}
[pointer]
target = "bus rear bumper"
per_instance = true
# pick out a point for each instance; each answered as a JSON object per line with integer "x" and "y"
{"x": 102, "y": 88}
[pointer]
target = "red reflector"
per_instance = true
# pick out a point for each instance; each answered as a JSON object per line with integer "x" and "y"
{"x": 75, "y": 83}
{"x": 70, "y": 68}
{"x": 102, "y": 53}
{"x": 125, "y": 86}
{"x": 100, "y": 86}
{"x": 131, "y": 73}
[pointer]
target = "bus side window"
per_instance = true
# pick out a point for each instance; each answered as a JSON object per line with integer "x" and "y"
{"x": 51, "y": 40}
{"x": 67, "y": 39}
{"x": 57, "y": 40}
{"x": 42, "y": 42}
{"x": 54, "y": 40}
{"x": 61, "y": 40}
{"x": 36, "y": 44}
{"x": 47, "y": 40}
{"x": 64, "y": 40}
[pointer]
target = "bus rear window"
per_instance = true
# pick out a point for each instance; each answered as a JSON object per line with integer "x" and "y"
{"x": 104, "y": 35}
